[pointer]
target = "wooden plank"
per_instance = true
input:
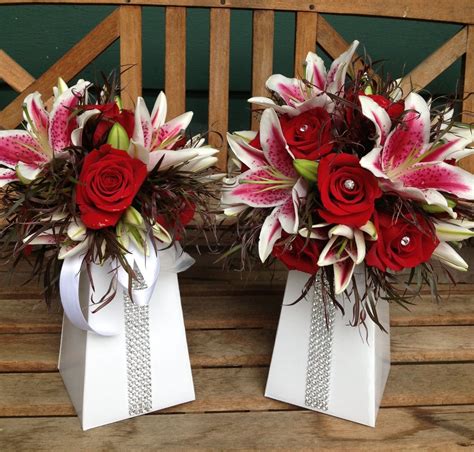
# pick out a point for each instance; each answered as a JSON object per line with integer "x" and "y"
{"x": 333, "y": 43}
{"x": 460, "y": 11}
{"x": 247, "y": 347}
{"x": 305, "y": 39}
{"x": 468, "y": 88}
{"x": 242, "y": 389}
{"x": 262, "y": 55}
{"x": 219, "y": 82}
{"x": 175, "y": 60}
{"x": 223, "y": 307}
{"x": 436, "y": 63}
{"x": 13, "y": 74}
{"x": 429, "y": 428}
{"x": 130, "y": 54}
{"x": 68, "y": 66}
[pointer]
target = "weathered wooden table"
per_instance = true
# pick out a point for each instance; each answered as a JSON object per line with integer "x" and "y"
{"x": 231, "y": 321}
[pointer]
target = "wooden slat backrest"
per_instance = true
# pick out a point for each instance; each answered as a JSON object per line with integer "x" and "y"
{"x": 311, "y": 28}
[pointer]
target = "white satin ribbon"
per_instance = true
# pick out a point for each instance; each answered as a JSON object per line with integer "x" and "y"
{"x": 166, "y": 259}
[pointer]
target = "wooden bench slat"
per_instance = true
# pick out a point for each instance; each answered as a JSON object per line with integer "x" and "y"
{"x": 13, "y": 74}
{"x": 262, "y": 54}
{"x": 219, "y": 81}
{"x": 68, "y": 66}
{"x": 305, "y": 39}
{"x": 436, "y": 63}
{"x": 429, "y": 428}
{"x": 242, "y": 389}
{"x": 220, "y": 306}
{"x": 247, "y": 347}
{"x": 175, "y": 60}
{"x": 130, "y": 54}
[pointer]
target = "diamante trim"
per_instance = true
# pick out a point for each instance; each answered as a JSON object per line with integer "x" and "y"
{"x": 137, "y": 335}
{"x": 318, "y": 371}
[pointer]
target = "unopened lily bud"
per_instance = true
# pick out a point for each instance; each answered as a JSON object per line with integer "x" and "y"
{"x": 307, "y": 169}
{"x": 118, "y": 137}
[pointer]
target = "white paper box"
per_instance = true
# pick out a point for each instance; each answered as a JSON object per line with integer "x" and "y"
{"x": 360, "y": 359}
{"x": 94, "y": 368}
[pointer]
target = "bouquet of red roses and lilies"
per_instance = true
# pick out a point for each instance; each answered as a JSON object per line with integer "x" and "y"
{"x": 92, "y": 179}
{"x": 346, "y": 171}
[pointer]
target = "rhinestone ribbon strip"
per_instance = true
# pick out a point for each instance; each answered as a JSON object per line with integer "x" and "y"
{"x": 137, "y": 335}
{"x": 320, "y": 350}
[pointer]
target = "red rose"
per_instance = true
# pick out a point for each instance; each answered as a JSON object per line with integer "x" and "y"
{"x": 400, "y": 243}
{"x": 108, "y": 182}
{"x": 309, "y": 134}
{"x": 300, "y": 255}
{"x": 394, "y": 109}
{"x": 348, "y": 191}
{"x": 109, "y": 115}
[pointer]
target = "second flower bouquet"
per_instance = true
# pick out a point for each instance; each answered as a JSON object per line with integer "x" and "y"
{"x": 102, "y": 195}
{"x": 347, "y": 182}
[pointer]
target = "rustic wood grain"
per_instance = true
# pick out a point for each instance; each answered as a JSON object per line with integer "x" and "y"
{"x": 219, "y": 82}
{"x": 460, "y": 11}
{"x": 13, "y": 74}
{"x": 175, "y": 60}
{"x": 242, "y": 389}
{"x": 68, "y": 66}
{"x": 130, "y": 54}
{"x": 305, "y": 39}
{"x": 468, "y": 88}
{"x": 248, "y": 347}
{"x": 436, "y": 63}
{"x": 262, "y": 55}
{"x": 429, "y": 428}
{"x": 223, "y": 306}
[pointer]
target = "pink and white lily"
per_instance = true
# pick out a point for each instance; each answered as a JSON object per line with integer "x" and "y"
{"x": 344, "y": 250}
{"x": 299, "y": 96}
{"x": 452, "y": 231}
{"x": 408, "y": 163}
{"x": 271, "y": 181}
{"x": 157, "y": 137}
{"x": 24, "y": 152}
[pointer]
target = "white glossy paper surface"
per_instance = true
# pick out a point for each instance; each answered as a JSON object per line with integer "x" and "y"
{"x": 94, "y": 368}
{"x": 360, "y": 360}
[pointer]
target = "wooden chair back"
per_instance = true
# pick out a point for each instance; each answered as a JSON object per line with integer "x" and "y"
{"x": 125, "y": 24}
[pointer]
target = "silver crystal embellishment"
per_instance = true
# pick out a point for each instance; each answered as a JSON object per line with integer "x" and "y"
{"x": 320, "y": 350}
{"x": 137, "y": 336}
{"x": 349, "y": 184}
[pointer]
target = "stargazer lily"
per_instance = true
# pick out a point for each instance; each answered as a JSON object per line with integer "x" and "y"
{"x": 24, "y": 152}
{"x": 408, "y": 163}
{"x": 271, "y": 181}
{"x": 453, "y": 231}
{"x": 344, "y": 250}
{"x": 299, "y": 96}
{"x": 158, "y": 138}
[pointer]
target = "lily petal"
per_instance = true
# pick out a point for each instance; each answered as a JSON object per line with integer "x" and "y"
{"x": 316, "y": 71}
{"x": 142, "y": 133}
{"x": 36, "y": 117}
{"x": 257, "y": 188}
{"x": 247, "y": 154}
{"x": 329, "y": 254}
{"x": 288, "y": 215}
{"x": 138, "y": 151}
{"x": 343, "y": 271}
{"x": 409, "y": 139}
{"x": 289, "y": 89}
{"x": 448, "y": 256}
{"x": 6, "y": 176}
{"x": 337, "y": 73}
{"x": 170, "y": 158}
{"x": 450, "y": 232}
{"x": 73, "y": 249}
{"x": 372, "y": 162}
{"x": 269, "y": 234}
{"x": 440, "y": 176}
{"x": 160, "y": 109}
{"x": 172, "y": 130}
{"x": 19, "y": 146}
{"x": 274, "y": 144}
{"x": 61, "y": 120}
{"x": 371, "y": 110}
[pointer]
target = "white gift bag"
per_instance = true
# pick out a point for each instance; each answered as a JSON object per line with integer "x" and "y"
{"x": 341, "y": 370}
{"x": 142, "y": 366}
